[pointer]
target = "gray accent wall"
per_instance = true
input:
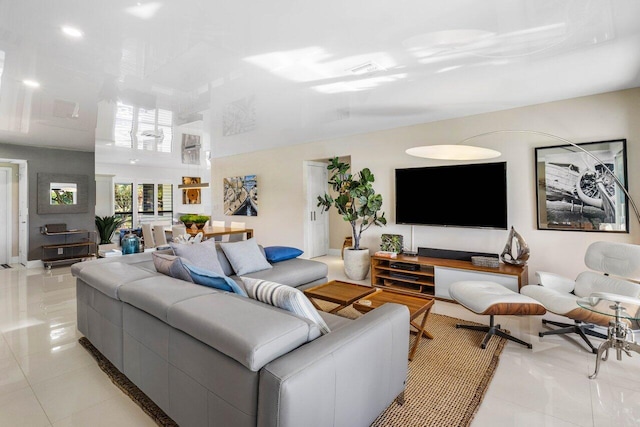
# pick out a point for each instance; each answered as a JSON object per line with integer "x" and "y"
{"x": 49, "y": 160}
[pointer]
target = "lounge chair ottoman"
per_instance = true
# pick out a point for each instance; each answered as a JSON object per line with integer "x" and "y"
{"x": 493, "y": 299}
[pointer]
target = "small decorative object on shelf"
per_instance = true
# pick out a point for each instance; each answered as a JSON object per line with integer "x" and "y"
{"x": 391, "y": 243}
{"x": 130, "y": 244}
{"x": 485, "y": 261}
{"x": 522, "y": 249}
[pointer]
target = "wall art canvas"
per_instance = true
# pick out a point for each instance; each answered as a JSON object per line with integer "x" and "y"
{"x": 577, "y": 190}
{"x": 241, "y": 195}
{"x": 191, "y": 149}
{"x": 191, "y": 196}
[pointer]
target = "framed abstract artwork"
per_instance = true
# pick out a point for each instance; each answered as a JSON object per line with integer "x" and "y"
{"x": 577, "y": 190}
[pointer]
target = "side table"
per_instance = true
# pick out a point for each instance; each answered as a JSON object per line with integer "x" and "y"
{"x": 620, "y": 336}
{"x": 417, "y": 305}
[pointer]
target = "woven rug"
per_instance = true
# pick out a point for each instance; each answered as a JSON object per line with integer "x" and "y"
{"x": 447, "y": 379}
{"x": 448, "y": 376}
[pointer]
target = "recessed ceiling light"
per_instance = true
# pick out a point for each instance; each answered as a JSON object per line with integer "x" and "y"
{"x": 30, "y": 83}
{"x": 72, "y": 32}
{"x": 134, "y": 161}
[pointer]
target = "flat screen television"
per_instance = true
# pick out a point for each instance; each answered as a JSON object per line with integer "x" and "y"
{"x": 471, "y": 195}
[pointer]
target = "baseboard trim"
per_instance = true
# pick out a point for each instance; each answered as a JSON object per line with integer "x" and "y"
{"x": 335, "y": 252}
{"x": 36, "y": 263}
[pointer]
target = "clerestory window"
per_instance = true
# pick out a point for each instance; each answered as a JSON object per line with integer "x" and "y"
{"x": 143, "y": 129}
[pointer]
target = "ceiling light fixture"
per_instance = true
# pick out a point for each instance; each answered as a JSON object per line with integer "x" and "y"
{"x": 31, "y": 83}
{"x": 470, "y": 152}
{"x": 72, "y": 32}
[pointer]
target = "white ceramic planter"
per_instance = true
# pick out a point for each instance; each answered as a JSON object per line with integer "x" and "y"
{"x": 356, "y": 263}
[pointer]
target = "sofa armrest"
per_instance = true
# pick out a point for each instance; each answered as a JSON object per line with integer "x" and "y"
{"x": 345, "y": 378}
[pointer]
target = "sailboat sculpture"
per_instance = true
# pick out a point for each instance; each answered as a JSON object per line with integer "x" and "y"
{"x": 522, "y": 249}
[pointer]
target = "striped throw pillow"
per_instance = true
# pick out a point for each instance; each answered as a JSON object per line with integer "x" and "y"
{"x": 286, "y": 298}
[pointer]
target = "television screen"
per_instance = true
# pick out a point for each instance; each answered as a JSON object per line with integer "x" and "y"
{"x": 473, "y": 195}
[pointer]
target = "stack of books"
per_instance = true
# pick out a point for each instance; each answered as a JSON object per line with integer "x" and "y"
{"x": 109, "y": 253}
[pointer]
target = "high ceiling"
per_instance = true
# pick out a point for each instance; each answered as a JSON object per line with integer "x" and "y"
{"x": 261, "y": 74}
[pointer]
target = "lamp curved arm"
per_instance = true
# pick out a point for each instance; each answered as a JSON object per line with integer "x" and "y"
{"x": 573, "y": 144}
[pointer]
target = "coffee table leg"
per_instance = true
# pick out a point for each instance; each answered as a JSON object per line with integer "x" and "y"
{"x": 420, "y": 333}
{"x": 315, "y": 304}
{"x": 337, "y": 309}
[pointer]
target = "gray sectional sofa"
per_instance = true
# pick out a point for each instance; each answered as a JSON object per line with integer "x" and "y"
{"x": 212, "y": 358}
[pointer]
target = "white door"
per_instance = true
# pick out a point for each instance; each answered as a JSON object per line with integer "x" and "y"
{"x": 5, "y": 216}
{"x": 23, "y": 214}
{"x": 317, "y": 221}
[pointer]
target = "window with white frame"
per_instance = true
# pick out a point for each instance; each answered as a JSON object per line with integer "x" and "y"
{"x": 143, "y": 129}
{"x": 151, "y": 203}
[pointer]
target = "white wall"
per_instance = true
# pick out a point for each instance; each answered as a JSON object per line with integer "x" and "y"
{"x": 594, "y": 118}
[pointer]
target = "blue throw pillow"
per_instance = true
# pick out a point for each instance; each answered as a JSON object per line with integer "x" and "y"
{"x": 203, "y": 277}
{"x": 281, "y": 253}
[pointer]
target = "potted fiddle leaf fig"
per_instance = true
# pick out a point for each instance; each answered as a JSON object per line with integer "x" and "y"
{"x": 360, "y": 205}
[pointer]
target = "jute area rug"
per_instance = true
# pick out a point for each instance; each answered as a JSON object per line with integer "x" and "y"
{"x": 447, "y": 378}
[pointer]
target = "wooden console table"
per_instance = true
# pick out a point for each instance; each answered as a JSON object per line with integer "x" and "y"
{"x": 432, "y": 276}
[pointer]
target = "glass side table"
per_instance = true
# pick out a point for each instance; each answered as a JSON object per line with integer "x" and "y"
{"x": 620, "y": 336}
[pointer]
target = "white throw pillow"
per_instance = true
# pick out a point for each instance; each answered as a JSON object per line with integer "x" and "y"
{"x": 286, "y": 298}
{"x": 245, "y": 256}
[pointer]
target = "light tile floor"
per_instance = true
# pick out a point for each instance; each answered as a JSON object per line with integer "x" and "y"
{"x": 48, "y": 379}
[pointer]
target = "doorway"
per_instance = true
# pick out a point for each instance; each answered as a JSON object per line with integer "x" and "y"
{"x": 14, "y": 212}
{"x": 316, "y": 223}
{"x": 5, "y": 215}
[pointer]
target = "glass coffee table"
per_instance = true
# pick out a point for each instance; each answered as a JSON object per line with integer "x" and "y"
{"x": 623, "y": 310}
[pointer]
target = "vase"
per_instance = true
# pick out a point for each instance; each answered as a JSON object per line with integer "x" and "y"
{"x": 356, "y": 263}
{"x": 130, "y": 244}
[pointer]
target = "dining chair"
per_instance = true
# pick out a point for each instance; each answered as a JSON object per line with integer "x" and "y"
{"x": 147, "y": 236}
{"x": 159, "y": 237}
{"x": 237, "y": 237}
{"x": 217, "y": 224}
{"x": 178, "y": 230}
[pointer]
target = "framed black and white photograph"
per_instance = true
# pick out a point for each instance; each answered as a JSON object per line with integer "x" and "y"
{"x": 578, "y": 190}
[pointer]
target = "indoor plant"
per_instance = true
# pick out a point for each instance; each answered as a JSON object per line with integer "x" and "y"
{"x": 107, "y": 226}
{"x": 198, "y": 220}
{"x": 359, "y": 205}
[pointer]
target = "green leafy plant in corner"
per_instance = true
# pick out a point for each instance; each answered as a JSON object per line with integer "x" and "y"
{"x": 107, "y": 226}
{"x": 356, "y": 200}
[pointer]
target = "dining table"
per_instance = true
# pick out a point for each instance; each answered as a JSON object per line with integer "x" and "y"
{"x": 209, "y": 232}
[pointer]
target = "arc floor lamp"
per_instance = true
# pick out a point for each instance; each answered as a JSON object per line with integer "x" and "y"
{"x": 462, "y": 151}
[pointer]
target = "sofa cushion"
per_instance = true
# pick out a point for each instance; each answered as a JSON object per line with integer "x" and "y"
{"x": 245, "y": 256}
{"x": 281, "y": 253}
{"x": 286, "y": 298}
{"x": 171, "y": 266}
{"x": 201, "y": 255}
{"x": 293, "y": 272}
{"x": 212, "y": 279}
{"x": 156, "y": 294}
{"x": 224, "y": 262}
{"x": 109, "y": 277}
{"x": 248, "y": 331}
